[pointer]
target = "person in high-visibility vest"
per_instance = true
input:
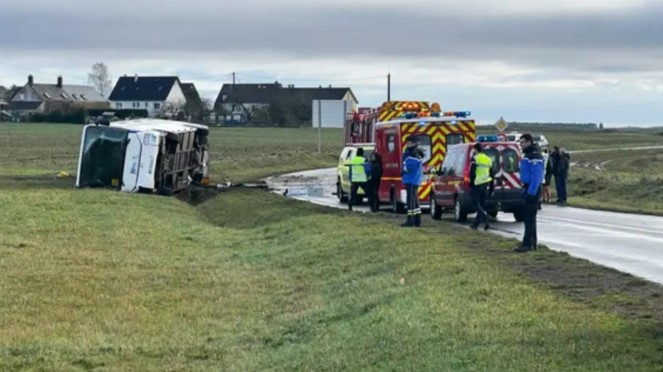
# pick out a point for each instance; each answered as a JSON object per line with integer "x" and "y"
{"x": 358, "y": 177}
{"x": 481, "y": 181}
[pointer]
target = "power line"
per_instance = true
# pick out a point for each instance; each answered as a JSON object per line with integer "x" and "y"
{"x": 286, "y": 78}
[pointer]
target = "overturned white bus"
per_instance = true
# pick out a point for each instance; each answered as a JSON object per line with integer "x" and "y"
{"x": 144, "y": 155}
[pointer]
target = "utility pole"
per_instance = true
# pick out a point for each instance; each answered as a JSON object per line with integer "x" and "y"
{"x": 389, "y": 87}
{"x": 319, "y": 126}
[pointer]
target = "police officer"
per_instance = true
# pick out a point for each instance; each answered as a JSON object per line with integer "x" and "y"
{"x": 531, "y": 175}
{"x": 412, "y": 177}
{"x": 480, "y": 180}
{"x": 358, "y": 177}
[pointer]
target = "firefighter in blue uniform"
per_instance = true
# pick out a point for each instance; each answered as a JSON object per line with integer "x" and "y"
{"x": 531, "y": 175}
{"x": 412, "y": 177}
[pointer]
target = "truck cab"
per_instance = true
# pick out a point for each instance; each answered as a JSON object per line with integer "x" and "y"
{"x": 147, "y": 155}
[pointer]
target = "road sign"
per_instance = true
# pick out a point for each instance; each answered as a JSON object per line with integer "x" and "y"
{"x": 501, "y": 125}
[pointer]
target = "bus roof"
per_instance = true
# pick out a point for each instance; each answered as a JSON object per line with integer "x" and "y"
{"x": 157, "y": 124}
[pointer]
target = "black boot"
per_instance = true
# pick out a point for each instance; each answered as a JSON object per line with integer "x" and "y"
{"x": 522, "y": 249}
{"x": 417, "y": 220}
{"x": 408, "y": 223}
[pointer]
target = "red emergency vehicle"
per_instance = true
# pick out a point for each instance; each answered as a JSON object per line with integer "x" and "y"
{"x": 433, "y": 130}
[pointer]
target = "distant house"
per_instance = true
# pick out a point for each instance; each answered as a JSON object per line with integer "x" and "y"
{"x": 241, "y": 103}
{"x": 152, "y": 93}
{"x": 46, "y": 98}
{"x": 4, "y": 100}
{"x": 194, "y": 107}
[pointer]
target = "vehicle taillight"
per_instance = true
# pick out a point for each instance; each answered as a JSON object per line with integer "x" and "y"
{"x": 466, "y": 179}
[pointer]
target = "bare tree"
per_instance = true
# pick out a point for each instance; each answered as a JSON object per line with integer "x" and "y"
{"x": 100, "y": 79}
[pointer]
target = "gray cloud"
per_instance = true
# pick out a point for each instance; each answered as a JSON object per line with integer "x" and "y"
{"x": 618, "y": 41}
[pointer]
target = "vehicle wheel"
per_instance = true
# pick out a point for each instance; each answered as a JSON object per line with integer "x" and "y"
{"x": 396, "y": 206}
{"x": 519, "y": 215}
{"x": 435, "y": 210}
{"x": 492, "y": 214}
{"x": 460, "y": 213}
{"x": 342, "y": 197}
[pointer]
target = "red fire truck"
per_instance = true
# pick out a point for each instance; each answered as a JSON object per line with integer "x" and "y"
{"x": 393, "y": 123}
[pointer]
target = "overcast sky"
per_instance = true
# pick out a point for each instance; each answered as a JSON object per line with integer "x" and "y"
{"x": 543, "y": 60}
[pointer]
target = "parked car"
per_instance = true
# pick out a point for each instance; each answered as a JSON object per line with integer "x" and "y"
{"x": 343, "y": 170}
{"x": 451, "y": 183}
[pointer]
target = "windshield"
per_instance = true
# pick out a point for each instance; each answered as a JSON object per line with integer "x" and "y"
{"x": 493, "y": 154}
{"x": 102, "y": 161}
{"x": 425, "y": 145}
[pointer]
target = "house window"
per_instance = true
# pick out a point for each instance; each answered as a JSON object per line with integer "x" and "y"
{"x": 147, "y": 105}
{"x": 157, "y": 106}
{"x": 136, "y": 105}
{"x": 48, "y": 96}
{"x": 118, "y": 105}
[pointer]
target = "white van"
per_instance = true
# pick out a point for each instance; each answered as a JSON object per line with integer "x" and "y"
{"x": 148, "y": 155}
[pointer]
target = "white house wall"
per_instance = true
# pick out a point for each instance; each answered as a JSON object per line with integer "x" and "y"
{"x": 352, "y": 103}
{"x": 129, "y": 105}
{"x": 176, "y": 95}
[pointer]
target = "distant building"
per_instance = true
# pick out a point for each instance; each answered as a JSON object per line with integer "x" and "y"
{"x": 155, "y": 94}
{"x": 194, "y": 108}
{"x": 4, "y": 100}
{"x": 242, "y": 103}
{"x": 46, "y": 98}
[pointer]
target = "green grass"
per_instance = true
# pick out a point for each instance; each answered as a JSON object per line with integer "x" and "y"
{"x": 627, "y": 181}
{"x": 236, "y": 154}
{"x": 94, "y": 279}
{"x": 610, "y": 139}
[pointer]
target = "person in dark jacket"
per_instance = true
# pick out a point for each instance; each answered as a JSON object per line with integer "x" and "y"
{"x": 412, "y": 177}
{"x": 547, "y": 179}
{"x": 531, "y": 175}
{"x": 562, "y": 175}
{"x": 375, "y": 177}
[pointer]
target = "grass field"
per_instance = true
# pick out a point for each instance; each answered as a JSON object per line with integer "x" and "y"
{"x": 628, "y": 181}
{"x": 237, "y": 154}
{"x": 93, "y": 279}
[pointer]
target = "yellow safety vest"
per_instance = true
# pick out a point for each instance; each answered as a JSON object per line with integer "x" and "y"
{"x": 482, "y": 172}
{"x": 357, "y": 172}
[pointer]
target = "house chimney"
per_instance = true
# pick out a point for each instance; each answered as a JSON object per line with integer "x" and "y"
{"x": 59, "y": 81}
{"x": 136, "y": 78}
{"x": 31, "y": 80}
{"x": 329, "y": 86}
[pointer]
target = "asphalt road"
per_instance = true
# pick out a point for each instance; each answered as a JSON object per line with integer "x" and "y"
{"x": 626, "y": 242}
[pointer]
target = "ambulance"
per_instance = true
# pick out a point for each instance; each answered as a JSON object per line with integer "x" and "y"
{"x": 432, "y": 129}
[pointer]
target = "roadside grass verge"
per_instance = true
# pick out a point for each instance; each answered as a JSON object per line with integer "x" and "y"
{"x": 253, "y": 281}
